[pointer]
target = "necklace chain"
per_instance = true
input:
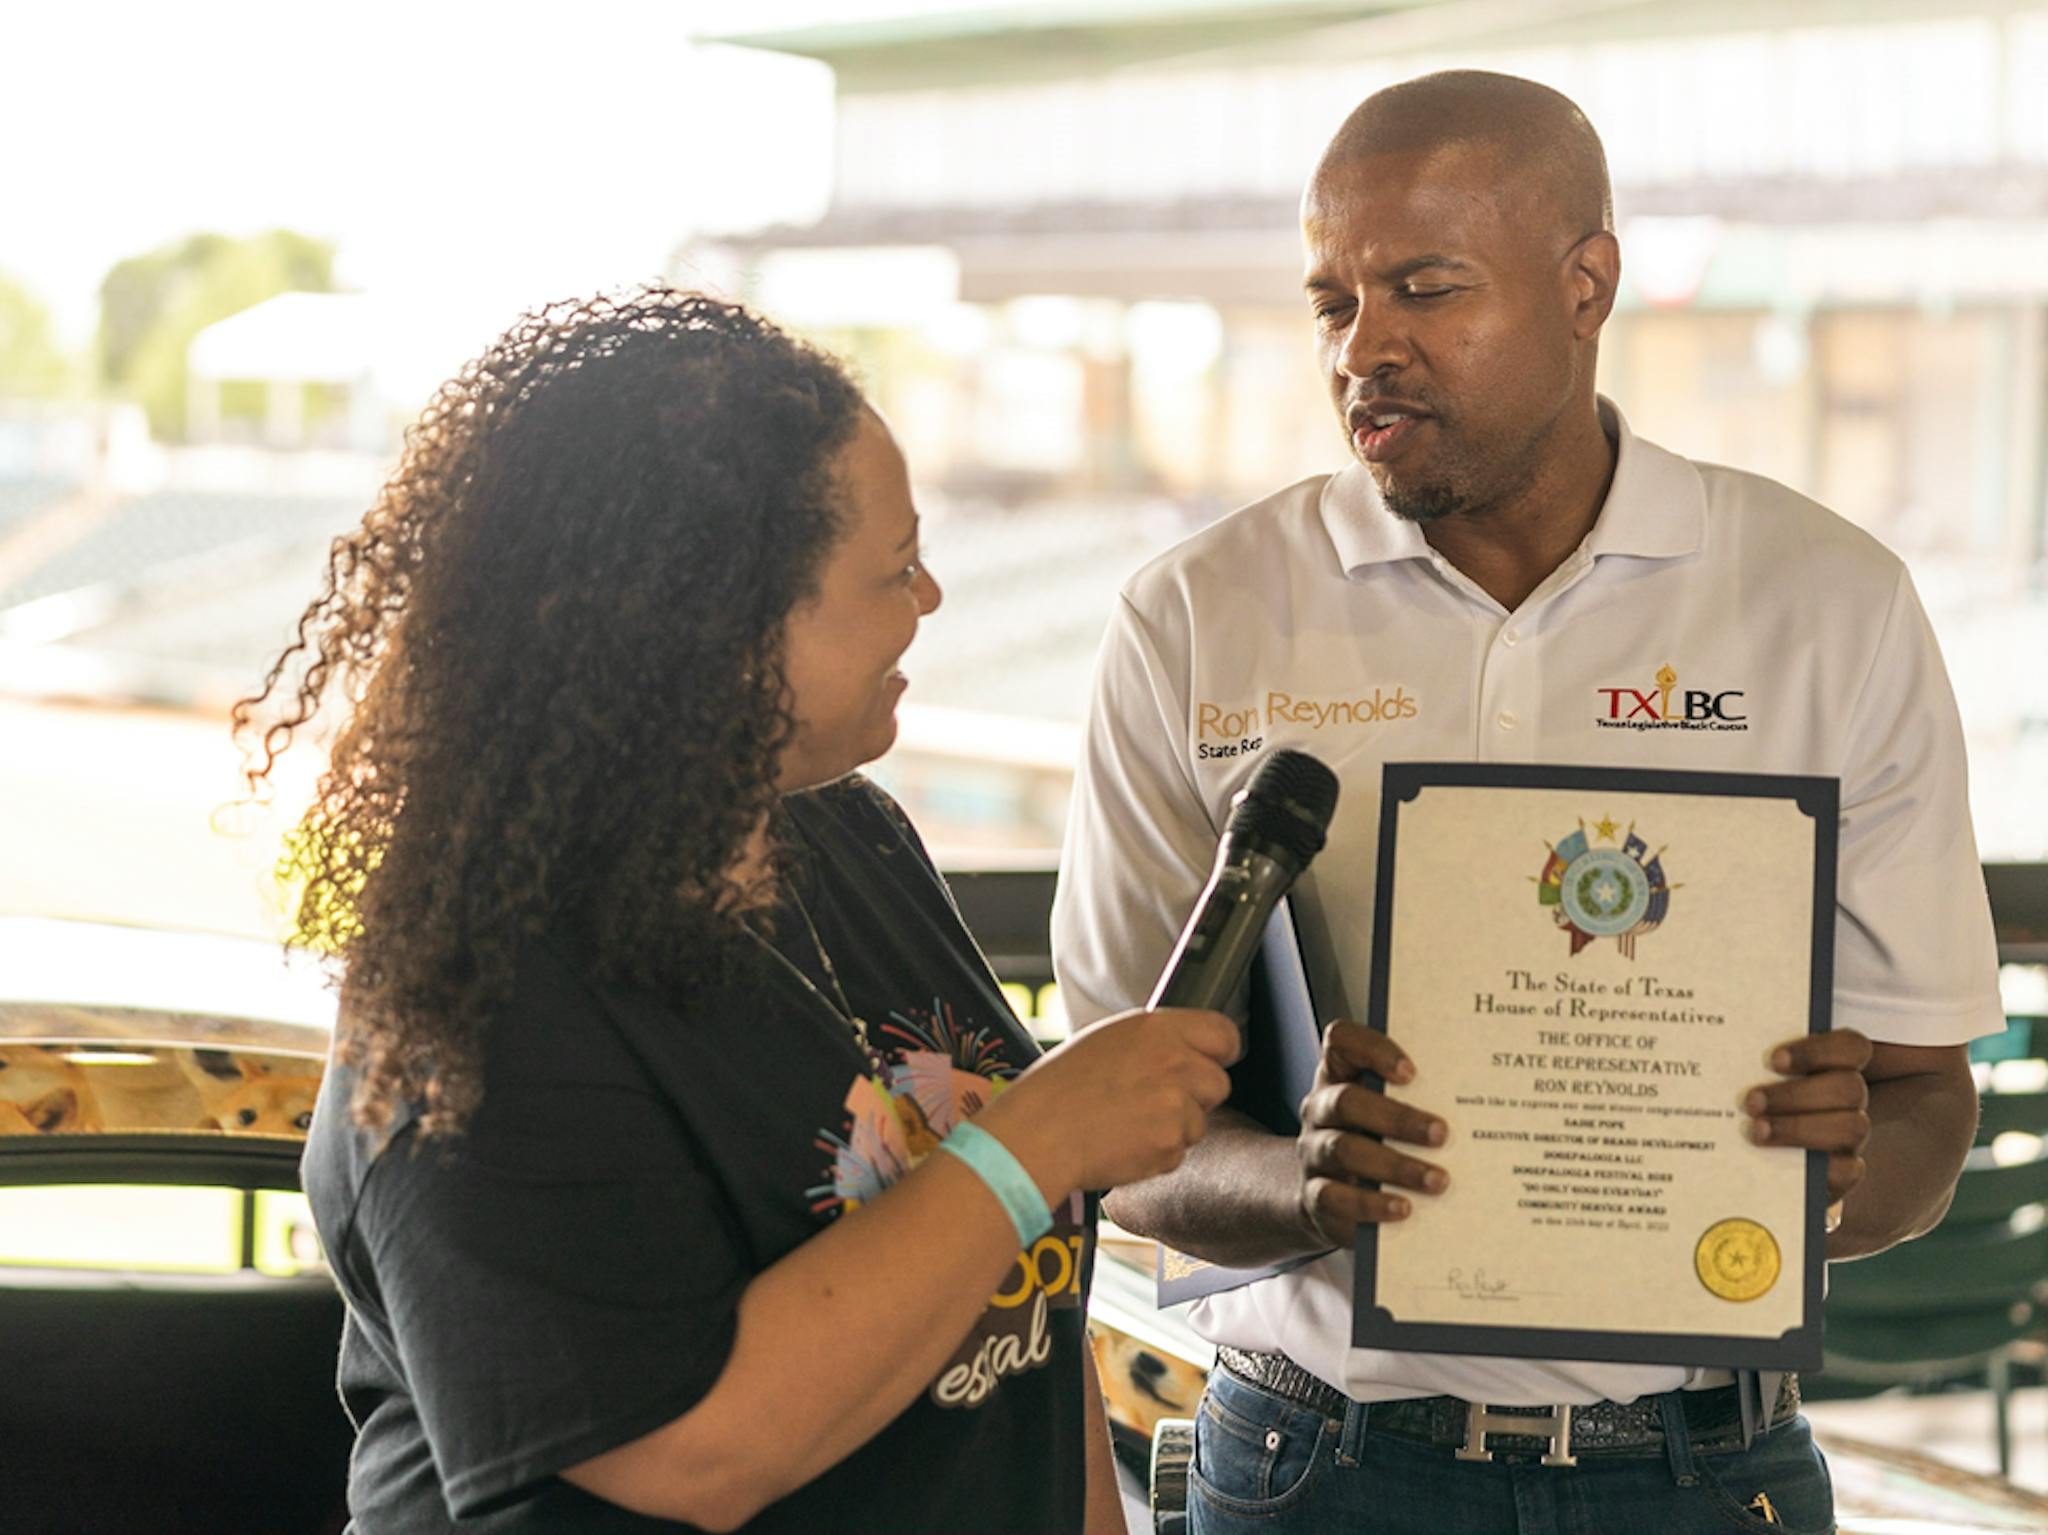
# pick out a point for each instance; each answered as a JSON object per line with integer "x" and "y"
{"x": 838, "y": 1001}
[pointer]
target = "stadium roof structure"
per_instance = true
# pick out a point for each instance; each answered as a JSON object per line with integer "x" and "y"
{"x": 931, "y": 101}
{"x": 989, "y": 44}
{"x": 907, "y": 46}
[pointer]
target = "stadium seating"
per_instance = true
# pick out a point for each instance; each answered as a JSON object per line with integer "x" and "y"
{"x": 1956, "y": 1304}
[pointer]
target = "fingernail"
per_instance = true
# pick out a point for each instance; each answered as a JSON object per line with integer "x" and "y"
{"x": 1759, "y": 1130}
{"x": 1756, "y": 1102}
{"x": 1436, "y": 1132}
{"x": 1434, "y": 1180}
{"x": 1781, "y": 1060}
{"x": 1404, "y": 1070}
{"x": 1398, "y": 1208}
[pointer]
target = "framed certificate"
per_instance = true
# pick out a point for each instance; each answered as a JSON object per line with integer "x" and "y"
{"x": 1589, "y": 967}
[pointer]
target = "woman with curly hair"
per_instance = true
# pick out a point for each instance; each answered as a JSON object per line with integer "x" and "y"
{"x": 654, "y": 1013}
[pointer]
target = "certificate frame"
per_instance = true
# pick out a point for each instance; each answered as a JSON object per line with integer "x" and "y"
{"x": 1799, "y": 1348}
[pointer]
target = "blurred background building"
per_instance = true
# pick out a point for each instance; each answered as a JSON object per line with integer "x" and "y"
{"x": 1062, "y": 239}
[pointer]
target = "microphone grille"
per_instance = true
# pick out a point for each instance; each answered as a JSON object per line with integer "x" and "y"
{"x": 1289, "y": 801}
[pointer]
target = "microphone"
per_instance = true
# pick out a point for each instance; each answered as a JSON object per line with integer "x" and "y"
{"x": 1277, "y": 824}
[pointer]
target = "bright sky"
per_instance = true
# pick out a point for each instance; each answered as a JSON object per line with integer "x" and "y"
{"x": 469, "y": 159}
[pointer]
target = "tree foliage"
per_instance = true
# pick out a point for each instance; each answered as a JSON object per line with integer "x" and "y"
{"x": 32, "y": 363}
{"x": 152, "y": 305}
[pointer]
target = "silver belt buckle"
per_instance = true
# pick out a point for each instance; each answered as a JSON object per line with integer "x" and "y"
{"x": 1556, "y": 1425}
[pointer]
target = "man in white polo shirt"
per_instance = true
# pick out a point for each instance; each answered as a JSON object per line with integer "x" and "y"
{"x": 1507, "y": 574}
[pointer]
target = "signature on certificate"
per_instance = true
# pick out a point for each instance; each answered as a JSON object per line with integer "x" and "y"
{"x": 1479, "y": 1285}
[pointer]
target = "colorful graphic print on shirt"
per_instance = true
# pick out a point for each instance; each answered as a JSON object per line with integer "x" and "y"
{"x": 939, "y": 1072}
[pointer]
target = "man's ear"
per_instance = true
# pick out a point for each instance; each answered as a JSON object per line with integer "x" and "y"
{"x": 1593, "y": 274}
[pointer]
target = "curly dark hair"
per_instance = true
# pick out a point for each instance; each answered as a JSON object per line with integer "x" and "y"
{"x": 558, "y": 632}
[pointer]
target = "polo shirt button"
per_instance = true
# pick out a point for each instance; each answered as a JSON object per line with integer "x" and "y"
{"x": 1507, "y": 719}
{"x": 1510, "y": 638}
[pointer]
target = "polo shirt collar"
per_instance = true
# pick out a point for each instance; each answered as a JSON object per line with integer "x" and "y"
{"x": 1361, "y": 528}
{"x": 1655, "y": 509}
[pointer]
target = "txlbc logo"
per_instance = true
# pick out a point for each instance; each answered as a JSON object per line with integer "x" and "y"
{"x": 1665, "y": 706}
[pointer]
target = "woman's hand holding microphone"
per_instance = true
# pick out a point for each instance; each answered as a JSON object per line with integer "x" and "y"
{"x": 1121, "y": 1101}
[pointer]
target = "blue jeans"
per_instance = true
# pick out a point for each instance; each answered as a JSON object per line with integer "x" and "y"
{"x": 1265, "y": 1464}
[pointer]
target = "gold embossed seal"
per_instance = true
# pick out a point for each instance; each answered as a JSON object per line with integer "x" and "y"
{"x": 1737, "y": 1260}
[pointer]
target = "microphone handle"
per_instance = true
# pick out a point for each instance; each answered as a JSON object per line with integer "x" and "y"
{"x": 1215, "y": 950}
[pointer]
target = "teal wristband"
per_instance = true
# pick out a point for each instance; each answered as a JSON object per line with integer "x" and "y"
{"x": 992, "y": 1163}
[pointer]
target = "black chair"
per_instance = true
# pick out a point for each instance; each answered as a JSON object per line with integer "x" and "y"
{"x": 169, "y": 1402}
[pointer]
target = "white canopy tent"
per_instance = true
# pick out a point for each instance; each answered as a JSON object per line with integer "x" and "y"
{"x": 388, "y": 355}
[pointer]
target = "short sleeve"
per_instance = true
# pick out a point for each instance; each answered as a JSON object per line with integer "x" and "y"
{"x": 1139, "y": 840}
{"x": 1915, "y": 958}
{"x": 559, "y": 1280}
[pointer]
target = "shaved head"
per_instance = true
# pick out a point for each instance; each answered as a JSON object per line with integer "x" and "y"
{"x": 1461, "y": 262}
{"x": 1541, "y": 140}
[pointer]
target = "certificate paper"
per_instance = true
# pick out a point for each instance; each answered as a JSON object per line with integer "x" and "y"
{"x": 1589, "y": 967}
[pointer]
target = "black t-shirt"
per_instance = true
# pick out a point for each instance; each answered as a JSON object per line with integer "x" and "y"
{"x": 565, "y": 1276}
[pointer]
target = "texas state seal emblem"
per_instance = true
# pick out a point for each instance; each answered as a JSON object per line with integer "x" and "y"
{"x": 1616, "y": 892}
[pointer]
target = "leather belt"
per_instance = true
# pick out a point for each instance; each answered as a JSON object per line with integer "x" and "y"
{"x": 1713, "y": 1418}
